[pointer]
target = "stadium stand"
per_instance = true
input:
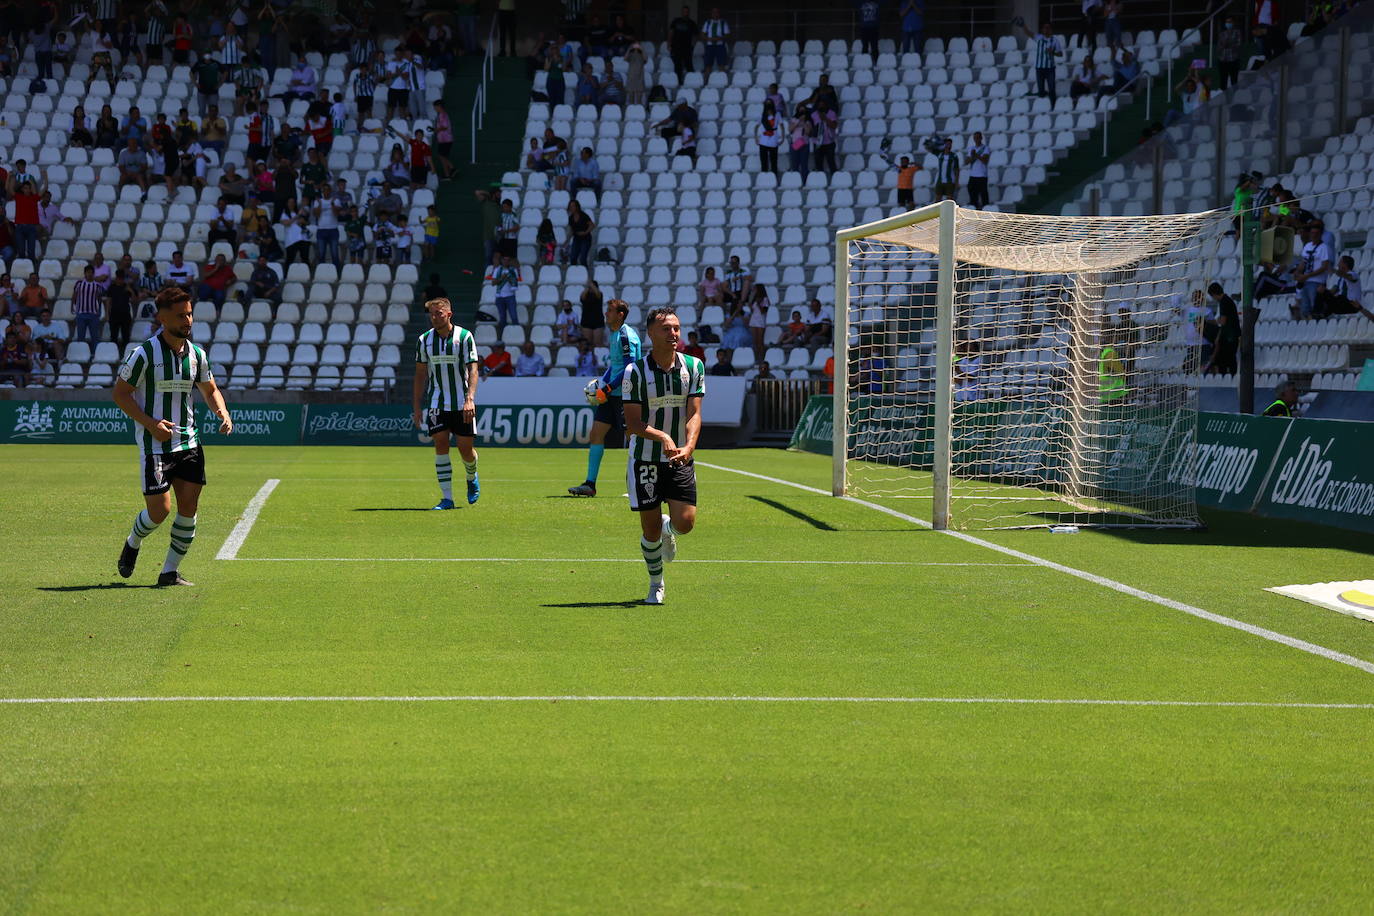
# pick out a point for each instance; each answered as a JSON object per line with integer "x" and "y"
{"x": 337, "y": 327}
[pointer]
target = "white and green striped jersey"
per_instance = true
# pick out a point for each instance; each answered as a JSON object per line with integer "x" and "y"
{"x": 448, "y": 359}
{"x": 164, "y": 383}
{"x": 663, "y": 395}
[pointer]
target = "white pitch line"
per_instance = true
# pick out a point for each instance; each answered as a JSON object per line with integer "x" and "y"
{"x": 601, "y": 560}
{"x": 1262, "y": 632}
{"x": 234, "y": 541}
{"x": 580, "y": 698}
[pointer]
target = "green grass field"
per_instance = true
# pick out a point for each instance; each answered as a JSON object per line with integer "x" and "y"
{"x": 549, "y": 800}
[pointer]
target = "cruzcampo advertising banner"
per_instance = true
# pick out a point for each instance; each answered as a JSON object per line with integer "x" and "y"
{"x": 533, "y": 425}
{"x": 816, "y": 426}
{"x": 102, "y": 423}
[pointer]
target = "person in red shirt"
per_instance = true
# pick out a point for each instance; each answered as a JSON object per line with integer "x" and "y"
{"x": 498, "y": 361}
{"x": 26, "y": 199}
{"x": 419, "y": 161}
{"x": 693, "y": 346}
{"x": 322, "y": 130}
{"x": 214, "y": 286}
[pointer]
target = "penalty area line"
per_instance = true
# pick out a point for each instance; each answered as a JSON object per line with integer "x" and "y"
{"x": 1262, "y": 632}
{"x": 605, "y": 560}
{"x": 585, "y": 698}
{"x": 230, "y": 549}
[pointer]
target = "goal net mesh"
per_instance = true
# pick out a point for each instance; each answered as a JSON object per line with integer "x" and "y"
{"x": 1069, "y": 392}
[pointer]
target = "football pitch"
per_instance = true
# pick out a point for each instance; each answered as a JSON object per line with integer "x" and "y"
{"x": 365, "y": 706}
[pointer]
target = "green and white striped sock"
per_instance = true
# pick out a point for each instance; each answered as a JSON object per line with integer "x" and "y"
{"x": 653, "y": 558}
{"x": 183, "y": 533}
{"x": 470, "y": 468}
{"x": 443, "y": 468}
{"x": 143, "y": 526}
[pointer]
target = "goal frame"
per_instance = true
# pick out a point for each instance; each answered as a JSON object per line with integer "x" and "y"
{"x": 946, "y": 212}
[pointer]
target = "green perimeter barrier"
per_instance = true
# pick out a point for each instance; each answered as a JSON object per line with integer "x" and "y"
{"x": 531, "y": 425}
{"x": 102, "y": 423}
{"x": 1306, "y": 470}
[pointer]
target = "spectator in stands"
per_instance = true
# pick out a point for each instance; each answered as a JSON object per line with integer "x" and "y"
{"x": 682, "y": 36}
{"x": 682, "y": 116}
{"x": 1268, "y": 28}
{"x": 253, "y": 220}
{"x": 260, "y": 130}
{"x": 870, "y": 16}
{"x": 824, "y": 92}
{"x": 1086, "y": 79}
{"x": 586, "y": 364}
{"x": 794, "y": 333}
{"x": 586, "y": 172}
{"x": 326, "y": 215}
{"x": 420, "y": 161}
{"x": 913, "y": 25}
{"x": 26, "y": 195}
{"x": 710, "y": 291}
{"x": 63, "y": 47}
{"x": 529, "y": 364}
{"x": 133, "y": 166}
{"x": 284, "y": 188}
{"x": 181, "y": 40}
{"x": 99, "y": 44}
{"x": 384, "y": 241}
{"x": 232, "y": 51}
{"x": 801, "y": 132}
{"x": 1312, "y": 274}
{"x": 593, "y": 321}
{"x": 86, "y": 299}
{"x": 287, "y": 145}
{"x": 580, "y": 228}
{"x": 1285, "y": 400}
{"x": 819, "y": 323}
{"x": 33, "y": 298}
{"x": 219, "y": 276}
{"x": 364, "y": 91}
{"x": 1228, "y": 52}
{"x": 149, "y": 285}
{"x": 1111, "y": 22}
{"x": 9, "y": 55}
{"x": 723, "y": 365}
{"x": 209, "y": 77}
{"x": 976, "y": 158}
{"x": 1125, "y": 72}
{"x": 298, "y": 240}
{"x": 507, "y": 228}
{"x": 1344, "y": 296}
{"x": 14, "y": 360}
{"x": 764, "y": 371}
{"x": 715, "y": 39}
{"x": 1090, "y": 24}
{"x": 134, "y": 127}
{"x": 634, "y": 74}
{"x": 1193, "y": 91}
{"x": 739, "y": 281}
{"x": 1273, "y": 280}
{"x": 398, "y": 84}
{"x": 906, "y": 180}
{"x": 687, "y": 143}
{"x": 736, "y": 332}
{"x": 9, "y": 296}
{"x": 355, "y": 237}
{"x": 320, "y": 129}
{"x": 1048, "y": 48}
{"x": 81, "y": 129}
{"x": 611, "y": 90}
{"x": 498, "y": 361}
{"x": 181, "y": 273}
{"x": 6, "y": 238}
{"x": 588, "y": 90}
{"x": 304, "y": 82}
{"x": 565, "y": 324}
{"x": 768, "y": 134}
{"x": 51, "y": 335}
{"x": 759, "y": 305}
{"x": 222, "y": 225}
{"x": 263, "y": 283}
{"x": 443, "y": 141}
{"x": 545, "y": 242}
{"x": 104, "y": 273}
{"x": 692, "y": 346}
{"x": 825, "y": 124}
{"x": 119, "y": 307}
{"x": 1198, "y": 348}
{"x": 947, "y": 172}
{"x": 1227, "y": 340}
{"x": 106, "y": 129}
{"x": 314, "y": 178}
{"x": 504, "y": 278}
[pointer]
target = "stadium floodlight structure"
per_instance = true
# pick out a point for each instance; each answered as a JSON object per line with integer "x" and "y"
{"x": 1019, "y": 370}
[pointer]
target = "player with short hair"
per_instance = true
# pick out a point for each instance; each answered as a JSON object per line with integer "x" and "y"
{"x": 445, "y": 383}
{"x": 662, "y": 398}
{"x": 604, "y": 393}
{"x": 161, "y": 373}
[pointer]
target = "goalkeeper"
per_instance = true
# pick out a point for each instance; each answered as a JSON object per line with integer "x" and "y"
{"x": 604, "y": 393}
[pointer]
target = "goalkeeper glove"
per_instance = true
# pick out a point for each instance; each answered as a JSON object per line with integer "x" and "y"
{"x": 597, "y": 392}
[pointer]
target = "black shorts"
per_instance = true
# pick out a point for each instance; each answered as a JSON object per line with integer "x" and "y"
{"x": 160, "y": 470}
{"x": 612, "y": 412}
{"x": 399, "y": 97}
{"x": 436, "y": 421}
{"x": 419, "y": 174}
{"x": 650, "y": 483}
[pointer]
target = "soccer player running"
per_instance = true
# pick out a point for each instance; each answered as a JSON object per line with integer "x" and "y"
{"x": 161, "y": 373}
{"x": 662, "y": 397}
{"x": 445, "y": 382}
{"x": 625, "y": 348}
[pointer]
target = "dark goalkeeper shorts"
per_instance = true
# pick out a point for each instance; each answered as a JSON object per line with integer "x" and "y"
{"x": 436, "y": 421}
{"x": 650, "y": 483}
{"x": 160, "y": 470}
{"x": 611, "y": 413}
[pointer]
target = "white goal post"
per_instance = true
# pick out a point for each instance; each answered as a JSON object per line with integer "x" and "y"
{"x": 1019, "y": 370}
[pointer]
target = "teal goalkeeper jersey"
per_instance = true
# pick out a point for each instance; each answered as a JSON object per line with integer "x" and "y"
{"x": 663, "y": 394}
{"x": 164, "y": 381}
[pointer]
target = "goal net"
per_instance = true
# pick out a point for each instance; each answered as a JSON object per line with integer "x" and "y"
{"x": 1018, "y": 370}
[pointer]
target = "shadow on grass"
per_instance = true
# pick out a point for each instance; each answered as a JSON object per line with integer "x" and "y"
{"x": 1240, "y": 529}
{"x": 795, "y": 513}
{"x": 99, "y": 586}
{"x": 579, "y": 604}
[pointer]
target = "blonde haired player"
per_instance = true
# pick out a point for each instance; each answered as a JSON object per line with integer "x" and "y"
{"x": 442, "y": 396}
{"x": 661, "y": 394}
